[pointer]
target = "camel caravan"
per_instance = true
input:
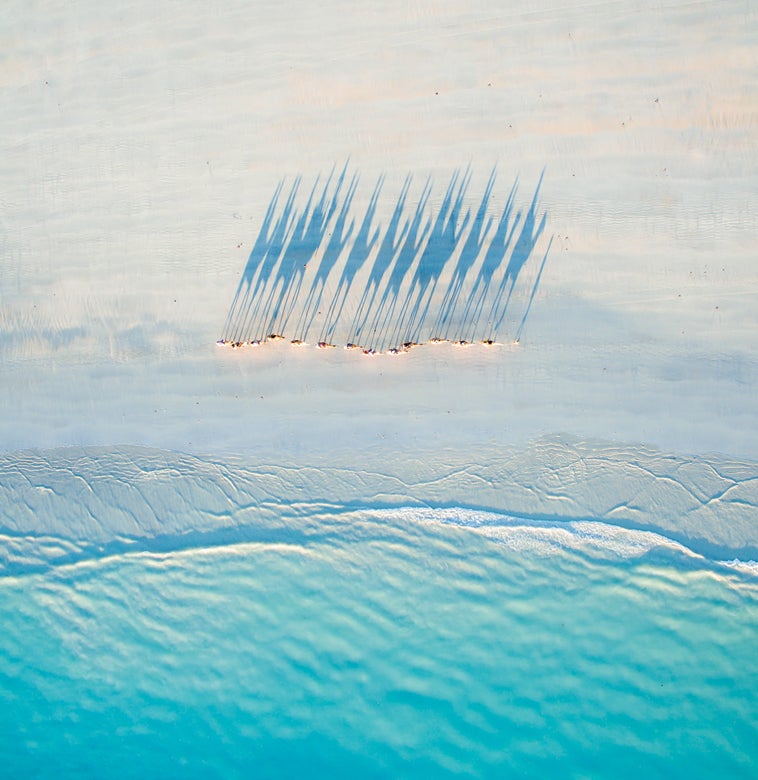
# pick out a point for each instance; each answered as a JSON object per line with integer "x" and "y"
{"x": 326, "y": 272}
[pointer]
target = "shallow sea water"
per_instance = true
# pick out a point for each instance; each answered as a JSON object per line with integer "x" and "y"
{"x": 393, "y": 645}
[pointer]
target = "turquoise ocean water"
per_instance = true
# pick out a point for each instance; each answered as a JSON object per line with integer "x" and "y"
{"x": 393, "y": 644}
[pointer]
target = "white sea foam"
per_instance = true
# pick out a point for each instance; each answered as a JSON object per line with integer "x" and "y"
{"x": 548, "y": 537}
{"x": 66, "y": 505}
{"x": 746, "y": 567}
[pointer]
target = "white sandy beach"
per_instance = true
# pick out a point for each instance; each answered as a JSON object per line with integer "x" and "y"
{"x": 141, "y": 146}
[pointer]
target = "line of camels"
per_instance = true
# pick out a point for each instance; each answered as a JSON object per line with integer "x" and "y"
{"x": 320, "y": 274}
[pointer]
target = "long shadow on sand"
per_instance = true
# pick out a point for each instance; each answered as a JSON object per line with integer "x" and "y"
{"x": 427, "y": 274}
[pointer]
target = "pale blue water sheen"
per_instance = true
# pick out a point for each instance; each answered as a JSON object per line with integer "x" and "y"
{"x": 404, "y": 645}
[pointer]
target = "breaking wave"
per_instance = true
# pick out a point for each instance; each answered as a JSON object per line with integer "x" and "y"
{"x": 65, "y": 506}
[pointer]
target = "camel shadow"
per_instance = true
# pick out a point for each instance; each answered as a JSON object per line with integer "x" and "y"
{"x": 450, "y": 273}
